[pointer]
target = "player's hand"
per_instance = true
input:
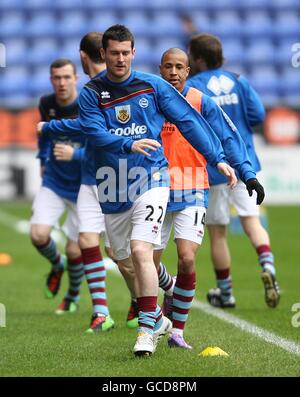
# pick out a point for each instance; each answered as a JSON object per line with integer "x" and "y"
{"x": 253, "y": 184}
{"x": 63, "y": 152}
{"x": 40, "y": 127}
{"x": 228, "y": 171}
{"x": 142, "y": 144}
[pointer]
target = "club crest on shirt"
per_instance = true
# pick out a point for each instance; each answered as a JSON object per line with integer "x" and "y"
{"x": 123, "y": 113}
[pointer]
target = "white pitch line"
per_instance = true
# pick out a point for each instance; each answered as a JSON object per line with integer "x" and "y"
{"x": 245, "y": 326}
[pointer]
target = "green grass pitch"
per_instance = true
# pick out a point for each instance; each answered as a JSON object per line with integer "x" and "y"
{"x": 36, "y": 342}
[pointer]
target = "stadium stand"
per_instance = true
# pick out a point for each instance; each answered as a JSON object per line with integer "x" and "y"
{"x": 256, "y": 34}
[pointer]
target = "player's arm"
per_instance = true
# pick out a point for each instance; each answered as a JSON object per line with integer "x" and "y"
{"x": 64, "y": 152}
{"x": 92, "y": 124}
{"x": 255, "y": 108}
{"x": 44, "y": 143}
{"x": 233, "y": 145}
{"x": 190, "y": 123}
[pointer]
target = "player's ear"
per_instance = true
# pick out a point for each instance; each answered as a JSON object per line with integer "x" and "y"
{"x": 188, "y": 69}
{"x": 160, "y": 69}
{"x": 102, "y": 53}
{"x": 133, "y": 52}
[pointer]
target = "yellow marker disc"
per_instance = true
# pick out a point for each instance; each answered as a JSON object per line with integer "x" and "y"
{"x": 5, "y": 259}
{"x": 213, "y": 351}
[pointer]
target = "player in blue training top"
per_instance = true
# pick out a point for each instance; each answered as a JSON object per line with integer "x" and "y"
{"x": 122, "y": 114}
{"x": 242, "y": 104}
{"x": 60, "y": 184}
{"x": 91, "y": 218}
{"x": 188, "y": 214}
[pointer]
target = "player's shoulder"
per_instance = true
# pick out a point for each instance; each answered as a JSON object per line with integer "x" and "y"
{"x": 149, "y": 78}
{"x": 47, "y": 101}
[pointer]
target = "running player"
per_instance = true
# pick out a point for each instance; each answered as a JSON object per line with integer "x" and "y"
{"x": 122, "y": 113}
{"x": 242, "y": 104}
{"x": 91, "y": 218}
{"x": 189, "y": 191}
{"x": 60, "y": 185}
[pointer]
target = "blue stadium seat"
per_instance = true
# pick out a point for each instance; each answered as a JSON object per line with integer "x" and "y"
{"x": 72, "y": 23}
{"x": 246, "y": 5}
{"x": 14, "y": 79}
{"x": 202, "y": 21}
{"x": 233, "y": 50}
{"x": 18, "y": 100}
{"x": 11, "y": 5}
{"x": 161, "y": 46}
{"x": 284, "y": 51}
{"x": 145, "y": 67}
{"x": 12, "y": 24}
{"x": 137, "y": 21}
{"x": 290, "y": 81}
{"x": 285, "y": 5}
{"x": 144, "y": 51}
{"x": 70, "y": 49}
{"x": 257, "y": 23}
{"x": 42, "y": 51}
{"x": 97, "y": 5}
{"x": 38, "y": 4}
{"x": 40, "y": 82}
{"x": 16, "y": 51}
{"x": 126, "y": 5}
{"x": 260, "y": 51}
{"x": 69, "y": 5}
{"x": 165, "y": 23}
{"x": 161, "y": 5}
{"x": 287, "y": 24}
{"x": 101, "y": 20}
{"x": 265, "y": 80}
{"x": 235, "y": 67}
{"x": 41, "y": 24}
{"x": 227, "y": 23}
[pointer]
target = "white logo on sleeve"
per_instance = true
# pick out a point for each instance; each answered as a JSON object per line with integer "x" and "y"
{"x": 143, "y": 102}
{"x": 105, "y": 95}
{"x": 221, "y": 86}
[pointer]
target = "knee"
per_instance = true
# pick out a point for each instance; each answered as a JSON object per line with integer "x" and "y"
{"x": 138, "y": 253}
{"x": 88, "y": 240}
{"x": 72, "y": 250}
{"x": 38, "y": 236}
{"x": 126, "y": 269}
{"x": 186, "y": 262}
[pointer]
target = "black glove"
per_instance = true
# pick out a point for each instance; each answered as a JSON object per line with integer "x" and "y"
{"x": 253, "y": 184}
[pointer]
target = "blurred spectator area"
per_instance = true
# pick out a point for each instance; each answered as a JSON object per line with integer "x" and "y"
{"x": 257, "y": 37}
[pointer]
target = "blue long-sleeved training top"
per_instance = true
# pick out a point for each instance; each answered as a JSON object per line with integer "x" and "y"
{"x": 62, "y": 177}
{"x": 114, "y": 115}
{"x": 233, "y": 146}
{"x": 239, "y": 101}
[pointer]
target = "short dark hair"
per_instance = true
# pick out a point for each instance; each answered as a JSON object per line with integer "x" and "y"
{"x": 117, "y": 33}
{"x": 59, "y": 63}
{"x": 91, "y": 44}
{"x": 207, "y": 47}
